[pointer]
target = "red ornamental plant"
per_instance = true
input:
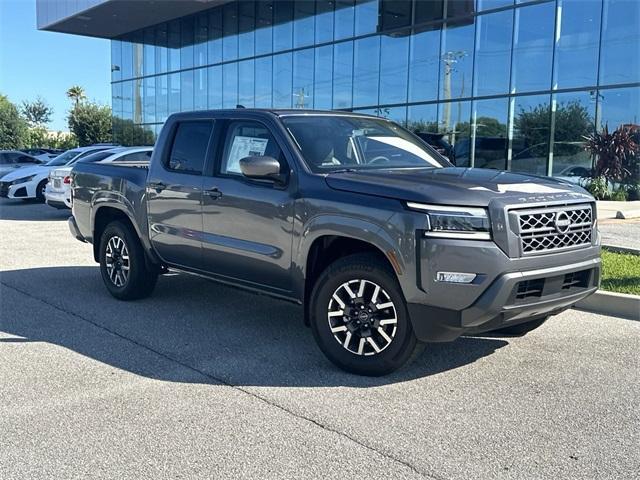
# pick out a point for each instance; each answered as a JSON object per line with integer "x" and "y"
{"x": 615, "y": 153}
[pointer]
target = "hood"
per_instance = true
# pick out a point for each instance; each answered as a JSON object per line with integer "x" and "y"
{"x": 26, "y": 172}
{"x": 456, "y": 186}
{"x": 5, "y": 170}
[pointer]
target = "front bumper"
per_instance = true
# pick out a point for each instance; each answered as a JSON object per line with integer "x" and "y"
{"x": 512, "y": 298}
{"x": 75, "y": 231}
{"x": 21, "y": 190}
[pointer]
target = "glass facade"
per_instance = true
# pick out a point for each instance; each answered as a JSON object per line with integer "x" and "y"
{"x": 492, "y": 83}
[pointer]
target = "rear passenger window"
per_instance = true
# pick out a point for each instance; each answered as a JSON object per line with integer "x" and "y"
{"x": 247, "y": 139}
{"x": 136, "y": 157}
{"x": 190, "y": 147}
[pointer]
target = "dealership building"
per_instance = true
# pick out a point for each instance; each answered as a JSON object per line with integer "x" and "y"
{"x": 510, "y": 84}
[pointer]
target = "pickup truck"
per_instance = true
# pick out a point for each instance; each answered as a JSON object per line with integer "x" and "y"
{"x": 384, "y": 243}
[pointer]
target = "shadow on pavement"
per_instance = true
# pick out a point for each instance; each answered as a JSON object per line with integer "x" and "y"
{"x": 30, "y": 210}
{"x": 228, "y": 334}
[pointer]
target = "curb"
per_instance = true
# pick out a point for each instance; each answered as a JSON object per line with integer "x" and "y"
{"x": 629, "y": 214}
{"x": 613, "y": 304}
{"x": 615, "y": 249}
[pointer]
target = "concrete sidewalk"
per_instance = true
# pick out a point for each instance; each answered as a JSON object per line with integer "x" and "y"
{"x": 619, "y": 210}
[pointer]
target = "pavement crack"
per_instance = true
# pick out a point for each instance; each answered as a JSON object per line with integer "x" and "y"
{"x": 222, "y": 381}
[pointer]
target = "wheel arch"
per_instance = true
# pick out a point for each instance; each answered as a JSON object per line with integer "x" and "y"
{"x": 103, "y": 216}
{"x": 328, "y": 239}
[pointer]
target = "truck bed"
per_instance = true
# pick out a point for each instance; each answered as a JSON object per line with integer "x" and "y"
{"x": 118, "y": 185}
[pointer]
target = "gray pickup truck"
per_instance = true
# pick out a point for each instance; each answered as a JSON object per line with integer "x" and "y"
{"x": 383, "y": 242}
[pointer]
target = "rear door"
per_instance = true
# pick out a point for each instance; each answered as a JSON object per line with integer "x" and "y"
{"x": 174, "y": 194}
{"x": 247, "y": 223}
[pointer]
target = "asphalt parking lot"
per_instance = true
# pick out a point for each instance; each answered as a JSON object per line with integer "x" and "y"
{"x": 205, "y": 381}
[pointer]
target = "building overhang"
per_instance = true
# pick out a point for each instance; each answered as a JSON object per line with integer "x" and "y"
{"x": 113, "y": 18}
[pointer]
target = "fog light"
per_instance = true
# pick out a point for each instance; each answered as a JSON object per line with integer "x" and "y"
{"x": 455, "y": 277}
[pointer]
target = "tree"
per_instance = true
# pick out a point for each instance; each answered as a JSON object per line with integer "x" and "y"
{"x": 37, "y": 113}
{"x": 13, "y": 128}
{"x": 490, "y": 127}
{"x": 572, "y": 122}
{"x": 126, "y": 133}
{"x": 76, "y": 94}
{"x": 90, "y": 123}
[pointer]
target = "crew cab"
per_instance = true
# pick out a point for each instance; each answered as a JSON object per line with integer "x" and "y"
{"x": 383, "y": 242}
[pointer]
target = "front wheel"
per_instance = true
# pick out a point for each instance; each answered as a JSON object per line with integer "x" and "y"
{"x": 42, "y": 186}
{"x": 359, "y": 317}
{"x": 122, "y": 263}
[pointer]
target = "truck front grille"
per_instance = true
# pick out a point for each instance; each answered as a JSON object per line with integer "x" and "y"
{"x": 547, "y": 229}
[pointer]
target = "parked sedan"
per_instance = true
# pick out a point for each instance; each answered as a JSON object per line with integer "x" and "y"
{"x": 12, "y": 159}
{"x": 45, "y": 154}
{"x": 29, "y": 182}
{"x": 58, "y": 190}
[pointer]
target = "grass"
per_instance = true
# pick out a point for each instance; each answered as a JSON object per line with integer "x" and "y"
{"x": 620, "y": 272}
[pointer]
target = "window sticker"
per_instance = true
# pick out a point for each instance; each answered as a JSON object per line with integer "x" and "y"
{"x": 245, "y": 147}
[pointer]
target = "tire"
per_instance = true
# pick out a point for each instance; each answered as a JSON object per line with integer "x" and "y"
{"x": 123, "y": 269}
{"x": 521, "y": 328}
{"x": 344, "y": 336}
{"x": 40, "y": 191}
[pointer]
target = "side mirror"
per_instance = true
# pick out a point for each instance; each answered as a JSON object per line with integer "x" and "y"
{"x": 261, "y": 168}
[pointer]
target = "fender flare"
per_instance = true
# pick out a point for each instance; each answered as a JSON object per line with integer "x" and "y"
{"x": 343, "y": 226}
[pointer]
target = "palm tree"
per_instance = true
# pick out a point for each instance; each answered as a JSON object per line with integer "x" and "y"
{"x": 76, "y": 93}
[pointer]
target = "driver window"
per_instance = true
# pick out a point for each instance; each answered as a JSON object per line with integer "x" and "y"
{"x": 247, "y": 139}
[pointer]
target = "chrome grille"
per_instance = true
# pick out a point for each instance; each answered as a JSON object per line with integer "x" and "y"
{"x": 547, "y": 229}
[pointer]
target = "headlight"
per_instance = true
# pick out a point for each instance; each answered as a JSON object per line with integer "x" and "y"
{"x": 455, "y": 222}
{"x": 22, "y": 180}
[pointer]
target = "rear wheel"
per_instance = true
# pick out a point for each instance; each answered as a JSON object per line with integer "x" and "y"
{"x": 122, "y": 263}
{"x": 521, "y": 328}
{"x": 359, "y": 317}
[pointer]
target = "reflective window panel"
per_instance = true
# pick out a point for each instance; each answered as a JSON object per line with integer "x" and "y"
{"x": 366, "y": 71}
{"x": 493, "y": 53}
{"x": 424, "y": 64}
{"x": 491, "y": 144}
{"x": 455, "y": 127}
{"x": 531, "y": 126}
{"x": 573, "y": 119}
{"x": 620, "y": 53}
{"x": 533, "y": 47}
{"x": 456, "y": 57}
{"x": 577, "y": 39}
{"x": 394, "y": 68}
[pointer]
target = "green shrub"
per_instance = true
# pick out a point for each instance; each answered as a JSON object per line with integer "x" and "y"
{"x": 619, "y": 195}
{"x": 599, "y": 188}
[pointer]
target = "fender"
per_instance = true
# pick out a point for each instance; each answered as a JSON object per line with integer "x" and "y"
{"x": 343, "y": 226}
{"x": 118, "y": 201}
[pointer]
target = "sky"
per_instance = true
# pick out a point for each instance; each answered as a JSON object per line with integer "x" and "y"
{"x": 35, "y": 63}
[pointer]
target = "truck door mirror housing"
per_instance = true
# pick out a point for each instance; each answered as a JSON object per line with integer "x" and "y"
{"x": 262, "y": 168}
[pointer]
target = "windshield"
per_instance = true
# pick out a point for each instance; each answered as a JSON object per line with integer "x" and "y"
{"x": 63, "y": 158}
{"x": 338, "y": 142}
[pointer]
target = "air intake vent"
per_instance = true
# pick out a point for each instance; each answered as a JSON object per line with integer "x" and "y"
{"x": 530, "y": 288}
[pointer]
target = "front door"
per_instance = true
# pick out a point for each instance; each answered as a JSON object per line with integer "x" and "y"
{"x": 174, "y": 195}
{"x": 248, "y": 224}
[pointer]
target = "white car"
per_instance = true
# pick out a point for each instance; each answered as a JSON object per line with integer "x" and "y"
{"x": 10, "y": 160}
{"x": 58, "y": 191}
{"x": 30, "y": 182}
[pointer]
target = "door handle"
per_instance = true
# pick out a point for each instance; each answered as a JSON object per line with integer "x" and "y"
{"x": 157, "y": 186}
{"x": 214, "y": 193}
